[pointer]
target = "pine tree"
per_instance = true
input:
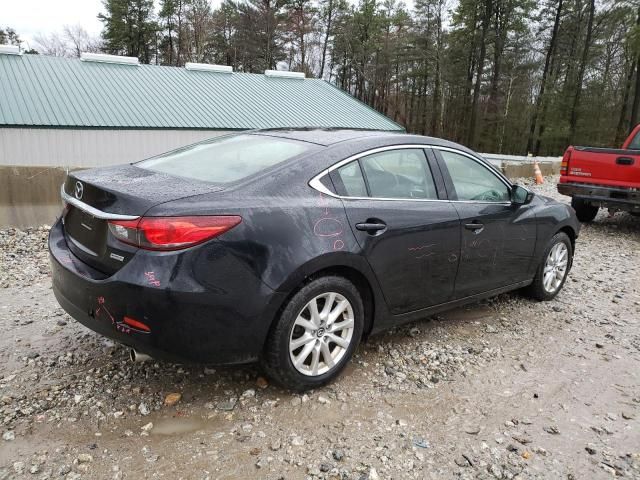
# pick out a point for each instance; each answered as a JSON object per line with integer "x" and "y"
{"x": 129, "y": 28}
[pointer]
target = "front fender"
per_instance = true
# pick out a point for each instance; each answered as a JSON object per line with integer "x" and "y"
{"x": 553, "y": 217}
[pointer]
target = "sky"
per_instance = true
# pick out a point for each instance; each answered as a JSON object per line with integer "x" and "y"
{"x": 32, "y": 17}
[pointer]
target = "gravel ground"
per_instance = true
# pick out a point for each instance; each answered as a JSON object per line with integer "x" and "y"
{"x": 508, "y": 388}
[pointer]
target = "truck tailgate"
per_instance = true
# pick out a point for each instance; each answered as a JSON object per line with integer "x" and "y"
{"x": 604, "y": 166}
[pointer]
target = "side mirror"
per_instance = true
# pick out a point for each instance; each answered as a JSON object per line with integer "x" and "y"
{"x": 521, "y": 195}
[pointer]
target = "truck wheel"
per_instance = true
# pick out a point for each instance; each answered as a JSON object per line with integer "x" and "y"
{"x": 316, "y": 334}
{"x": 584, "y": 211}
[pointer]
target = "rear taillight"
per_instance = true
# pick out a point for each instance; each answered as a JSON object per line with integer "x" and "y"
{"x": 564, "y": 165}
{"x": 125, "y": 230}
{"x": 171, "y": 233}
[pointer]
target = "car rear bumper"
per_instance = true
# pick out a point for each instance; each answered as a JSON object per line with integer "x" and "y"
{"x": 201, "y": 305}
{"x": 623, "y": 198}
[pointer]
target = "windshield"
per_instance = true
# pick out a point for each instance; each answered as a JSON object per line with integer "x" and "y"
{"x": 226, "y": 159}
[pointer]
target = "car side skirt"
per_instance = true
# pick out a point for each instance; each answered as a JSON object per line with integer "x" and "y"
{"x": 396, "y": 320}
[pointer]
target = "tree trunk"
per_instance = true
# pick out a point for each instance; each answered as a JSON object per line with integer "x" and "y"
{"x": 179, "y": 39}
{"x": 506, "y": 115}
{"x": 491, "y": 120}
{"x": 435, "y": 114}
{"x": 486, "y": 19}
{"x": 545, "y": 72}
{"x": 621, "y": 130}
{"x": 636, "y": 96}
{"x": 460, "y": 123}
{"x": 327, "y": 34}
{"x": 170, "y": 27}
{"x": 573, "y": 119}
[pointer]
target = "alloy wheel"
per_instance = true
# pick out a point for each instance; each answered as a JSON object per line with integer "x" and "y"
{"x": 555, "y": 267}
{"x": 321, "y": 334}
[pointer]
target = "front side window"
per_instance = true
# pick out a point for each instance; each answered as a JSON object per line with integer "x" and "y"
{"x": 226, "y": 159}
{"x": 402, "y": 173}
{"x": 473, "y": 181}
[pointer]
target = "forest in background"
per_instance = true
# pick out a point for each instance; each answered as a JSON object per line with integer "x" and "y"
{"x": 500, "y": 76}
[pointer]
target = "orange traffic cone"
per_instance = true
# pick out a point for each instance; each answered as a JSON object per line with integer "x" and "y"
{"x": 537, "y": 173}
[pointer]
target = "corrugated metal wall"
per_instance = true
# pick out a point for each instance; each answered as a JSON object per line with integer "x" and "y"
{"x": 29, "y": 147}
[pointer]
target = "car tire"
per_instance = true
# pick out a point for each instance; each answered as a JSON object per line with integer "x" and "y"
{"x": 297, "y": 330}
{"x": 584, "y": 211}
{"x": 541, "y": 289}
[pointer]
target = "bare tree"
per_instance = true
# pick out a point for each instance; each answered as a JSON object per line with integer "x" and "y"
{"x": 52, "y": 44}
{"x": 79, "y": 40}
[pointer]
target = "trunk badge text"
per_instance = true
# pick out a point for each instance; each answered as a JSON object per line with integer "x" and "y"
{"x": 79, "y": 190}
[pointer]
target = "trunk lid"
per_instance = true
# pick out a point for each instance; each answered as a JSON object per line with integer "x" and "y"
{"x": 100, "y": 194}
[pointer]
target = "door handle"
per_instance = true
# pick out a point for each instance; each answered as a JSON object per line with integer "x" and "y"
{"x": 625, "y": 161}
{"x": 371, "y": 227}
{"x": 475, "y": 227}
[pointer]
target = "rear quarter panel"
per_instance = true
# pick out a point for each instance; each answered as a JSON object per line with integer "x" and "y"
{"x": 286, "y": 233}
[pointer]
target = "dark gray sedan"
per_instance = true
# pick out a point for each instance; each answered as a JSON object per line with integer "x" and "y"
{"x": 290, "y": 246}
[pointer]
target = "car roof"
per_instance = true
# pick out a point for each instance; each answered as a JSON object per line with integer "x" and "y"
{"x": 362, "y": 138}
{"x": 325, "y": 136}
{"x": 340, "y": 144}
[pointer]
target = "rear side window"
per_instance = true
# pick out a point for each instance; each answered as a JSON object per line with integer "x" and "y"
{"x": 402, "y": 173}
{"x": 226, "y": 159}
{"x": 351, "y": 177}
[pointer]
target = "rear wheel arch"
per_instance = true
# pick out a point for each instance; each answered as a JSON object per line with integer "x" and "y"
{"x": 361, "y": 282}
{"x": 349, "y": 272}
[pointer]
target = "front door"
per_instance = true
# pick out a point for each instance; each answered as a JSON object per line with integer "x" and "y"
{"x": 498, "y": 237}
{"x": 410, "y": 236}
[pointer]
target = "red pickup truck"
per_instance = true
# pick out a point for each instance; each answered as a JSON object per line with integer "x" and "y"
{"x": 602, "y": 177}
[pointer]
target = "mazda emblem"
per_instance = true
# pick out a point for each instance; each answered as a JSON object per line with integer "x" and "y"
{"x": 79, "y": 190}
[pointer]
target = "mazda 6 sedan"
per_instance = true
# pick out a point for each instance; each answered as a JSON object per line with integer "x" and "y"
{"x": 288, "y": 247}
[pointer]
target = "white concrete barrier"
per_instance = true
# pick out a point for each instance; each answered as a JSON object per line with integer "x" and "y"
{"x": 514, "y": 166}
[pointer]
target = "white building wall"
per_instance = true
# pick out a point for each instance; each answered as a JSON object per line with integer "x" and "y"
{"x": 30, "y": 147}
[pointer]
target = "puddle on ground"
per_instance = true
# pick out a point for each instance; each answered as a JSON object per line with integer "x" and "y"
{"x": 177, "y": 426}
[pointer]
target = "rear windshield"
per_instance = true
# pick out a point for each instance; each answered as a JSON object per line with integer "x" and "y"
{"x": 226, "y": 159}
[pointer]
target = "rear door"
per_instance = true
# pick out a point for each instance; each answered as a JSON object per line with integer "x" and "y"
{"x": 407, "y": 230}
{"x": 498, "y": 237}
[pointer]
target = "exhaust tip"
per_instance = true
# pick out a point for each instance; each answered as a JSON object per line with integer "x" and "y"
{"x": 138, "y": 357}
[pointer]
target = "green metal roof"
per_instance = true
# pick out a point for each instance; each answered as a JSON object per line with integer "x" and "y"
{"x": 42, "y": 91}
